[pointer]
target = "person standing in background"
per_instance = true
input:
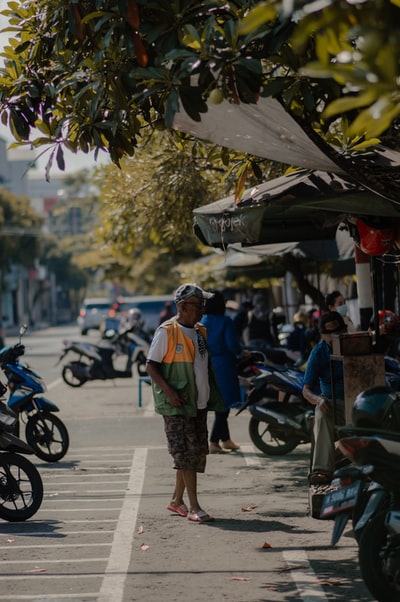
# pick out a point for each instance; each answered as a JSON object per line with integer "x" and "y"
{"x": 225, "y": 347}
{"x": 336, "y": 302}
{"x": 241, "y": 321}
{"x": 260, "y": 331}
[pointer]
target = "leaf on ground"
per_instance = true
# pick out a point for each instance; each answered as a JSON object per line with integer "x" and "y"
{"x": 249, "y": 508}
{"x": 140, "y": 530}
{"x": 332, "y": 582}
{"x": 144, "y": 547}
{"x": 266, "y": 545}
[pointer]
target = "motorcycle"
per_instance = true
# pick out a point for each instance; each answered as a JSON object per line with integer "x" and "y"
{"x": 281, "y": 419}
{"x": 95, "y": 362}
{"x": 21, "y": 486}
{"x": 281, "y": 422}
{"x": 45, "y": 433}
{"x": 369, "y": 493}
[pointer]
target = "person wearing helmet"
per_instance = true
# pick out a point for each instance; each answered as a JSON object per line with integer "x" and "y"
{"x": 317, "y": 390}
{"x": 336, "y": 302}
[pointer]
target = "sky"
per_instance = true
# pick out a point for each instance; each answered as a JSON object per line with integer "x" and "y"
{"x": 73, "y": 162}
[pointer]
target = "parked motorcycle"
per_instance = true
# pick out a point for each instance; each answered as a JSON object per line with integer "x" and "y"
{"x": 45, "y": 433}
{"x": 370, "y": 495}
{"x": 21, "y": 486}
{"x": 281, "y": 418}
{"x": 95, "y": 362}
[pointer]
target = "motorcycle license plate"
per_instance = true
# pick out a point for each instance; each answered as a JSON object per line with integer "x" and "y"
{"x": 340, "y": 500}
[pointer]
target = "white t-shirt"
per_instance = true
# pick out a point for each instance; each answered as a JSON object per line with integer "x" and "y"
{"x": 158, "y": 349}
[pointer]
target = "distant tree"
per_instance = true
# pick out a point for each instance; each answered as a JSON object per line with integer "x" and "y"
{"x": 20, "y": 228}
{"x": 146, "y": 218}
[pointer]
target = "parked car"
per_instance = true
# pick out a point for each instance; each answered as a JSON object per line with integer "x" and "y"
{"x": 92, "y": 313}
{"x": 150, "y": 307}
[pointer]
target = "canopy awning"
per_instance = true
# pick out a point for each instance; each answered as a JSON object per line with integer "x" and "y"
{"x": 264, "y": 129}
{"x": 302, "y": 206}
{"x": 267, "y": 130}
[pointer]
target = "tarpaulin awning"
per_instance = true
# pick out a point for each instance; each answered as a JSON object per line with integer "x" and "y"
{"x": 267, "y": 130}
{"x": 340, "y": 249}
{"x": 264, "y": 129}
{"x": 302, "y": 206}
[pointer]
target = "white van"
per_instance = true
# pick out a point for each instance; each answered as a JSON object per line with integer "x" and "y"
{"x": 150, "y": 307}
{"x": 92, "y": 313}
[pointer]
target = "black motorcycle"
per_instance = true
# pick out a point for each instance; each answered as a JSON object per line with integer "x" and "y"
{"x": 96, "y": 362}
{"x": 368, "y": 492}
{"x": 281, "y": 419}
{"x": 21, "y": 486}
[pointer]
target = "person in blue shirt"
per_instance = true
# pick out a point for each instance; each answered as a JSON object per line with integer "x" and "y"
{"x": 317, "y": 390}
{"x": 224, "y": 346}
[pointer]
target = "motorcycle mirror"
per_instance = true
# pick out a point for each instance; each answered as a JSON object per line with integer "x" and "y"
{"x": 109, "y": 333}
{"x": 23, "y": 329}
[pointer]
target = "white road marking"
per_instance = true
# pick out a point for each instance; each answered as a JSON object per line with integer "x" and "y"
{"x": 303, "y": 576}
{"x": 249, "y": 455}
{"x": 112, "y": 587}
{"x": 54, "y": 384}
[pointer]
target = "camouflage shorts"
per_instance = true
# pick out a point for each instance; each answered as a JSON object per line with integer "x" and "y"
{"x": 187, "y": 439}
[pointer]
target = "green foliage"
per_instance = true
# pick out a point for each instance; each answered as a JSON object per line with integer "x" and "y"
{"x": 146, "y": 217}
{"x": 99, "y": 74}
{"x": 19, "y": 231}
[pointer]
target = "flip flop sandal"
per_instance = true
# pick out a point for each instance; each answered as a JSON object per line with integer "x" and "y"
{"x": 320, "y": 477}
{"x": 200, "y": 517}
{"x": 182, "y": 510}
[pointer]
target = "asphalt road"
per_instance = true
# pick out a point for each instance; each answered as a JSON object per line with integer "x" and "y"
{"x": 103, "y": 532}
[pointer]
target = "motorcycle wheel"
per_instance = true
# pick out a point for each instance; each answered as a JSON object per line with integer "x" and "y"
{"x": 21, "y": 487}
{"x": 70, "y": 378}
{"x": 374, "y": 559}
{"x": 269, "y": 440}
{"x": 47, "y": 436}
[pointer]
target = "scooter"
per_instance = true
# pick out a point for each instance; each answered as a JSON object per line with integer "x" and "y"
{"x": 368, "y": 493}
{"x": 95, "y": 362}
{"x": 45, "y": 433}
{"x": 281, "y": 418}
{"x": 21, "y": 486}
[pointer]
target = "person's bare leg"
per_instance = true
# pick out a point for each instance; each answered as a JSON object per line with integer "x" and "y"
{"x": 196, "y": 513}
{"x": 190, "y": 479}
{"x": 177, "y": 496}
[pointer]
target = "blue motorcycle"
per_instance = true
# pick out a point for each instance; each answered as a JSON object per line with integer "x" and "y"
{"x": 45, "y": 433}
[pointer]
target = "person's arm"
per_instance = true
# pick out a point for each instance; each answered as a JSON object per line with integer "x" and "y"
{"x": 311, "y": 381}
{"x": 154, "y": 371}
{"x": 316, "y": 400}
